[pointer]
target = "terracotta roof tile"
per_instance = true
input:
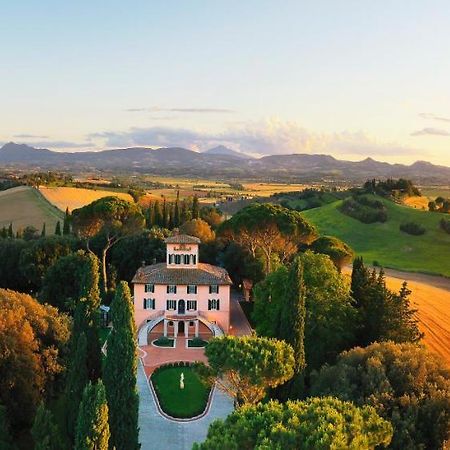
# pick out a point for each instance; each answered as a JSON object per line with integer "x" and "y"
{"x": 204, "y": 274}
{"x": 182, "y": 239}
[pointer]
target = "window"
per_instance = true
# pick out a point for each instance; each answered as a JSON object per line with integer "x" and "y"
{"x": 186, "y": 259}
{"x": 214, "y": 289}
{"x": 149, "y": 288}
{"x": 171, "y": 289}
{"x": 177, "y": 259}
{"x": 170, "y": 259}
{"x": 194, "y": 259}
{"x": 191, "y": 324}
{"x": 191, "y": 289}
{"x": 149, "y": 303}
{"x": 192, "y": 305}
{"x": 171, "y": 304}
{"x": 213, "y": 304}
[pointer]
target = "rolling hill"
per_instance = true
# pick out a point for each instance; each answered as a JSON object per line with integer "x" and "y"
{"x": 24, "y": 206}
{"x": 220, "y": 162}
{"x": 385, "y": 243}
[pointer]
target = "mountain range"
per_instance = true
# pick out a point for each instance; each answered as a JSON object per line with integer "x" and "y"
{"x": 218, "y": 162}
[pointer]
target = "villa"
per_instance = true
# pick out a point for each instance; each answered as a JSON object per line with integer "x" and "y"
{"x": 182, "y": 293}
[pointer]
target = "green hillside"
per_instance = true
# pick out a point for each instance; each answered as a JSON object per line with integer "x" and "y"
{"x": 24, "y": 206}
{"x": 385, "y": 243}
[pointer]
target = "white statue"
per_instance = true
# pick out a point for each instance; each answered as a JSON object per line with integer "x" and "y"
{"x": 182, "y": 380}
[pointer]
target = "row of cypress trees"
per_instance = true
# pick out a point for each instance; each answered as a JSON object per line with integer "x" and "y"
{"x": 171, "y": 215}
{"x": 101, "y": 405}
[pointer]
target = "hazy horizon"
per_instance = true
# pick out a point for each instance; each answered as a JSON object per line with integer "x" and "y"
{"x": 353, "y": 80}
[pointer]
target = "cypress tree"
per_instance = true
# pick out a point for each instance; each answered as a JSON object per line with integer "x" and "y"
{"x": 4, "y": 233}
{"x": 292, "y": 325}
{"x": 185, "y": 214}
{"x": 158, "y": 218}
{"x": 121, "y": 371}
{"x": 176, "y": 212}
{"x": 45, "y": 432}
{"x": 66, "y": 222}
{"x": 92, "y": 424}
{"x": 195, "y": 208}
{"x": 164, "y": 213}
{"x": 10, "y": 231}
{"x": 58, "y": 228}
{"x": 90, "y": 302}
{"x": 149, "y": 216}
{"x": 360, "y": 282}
{"x": 6, "y": 442}
{"x": 77, "y": 374}
{"x": 171, "y": 216}
{"x": 43, "y": 232}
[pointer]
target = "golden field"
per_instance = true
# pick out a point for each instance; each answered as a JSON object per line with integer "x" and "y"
{"x": 73, "y": 198}
{"x": 431, "y": 297}
{"x": 417, "y": 202}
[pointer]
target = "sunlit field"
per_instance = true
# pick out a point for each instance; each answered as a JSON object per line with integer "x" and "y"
{"x": 433, "y": 308}
{"x": 73, "y": 198}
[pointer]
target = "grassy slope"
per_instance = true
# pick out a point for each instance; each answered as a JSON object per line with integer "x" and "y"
{"x": 24, "y": 206}
{"x": 385, "y": 243}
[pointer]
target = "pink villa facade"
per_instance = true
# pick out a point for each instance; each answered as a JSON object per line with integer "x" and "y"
{"x": 182, "y": 292}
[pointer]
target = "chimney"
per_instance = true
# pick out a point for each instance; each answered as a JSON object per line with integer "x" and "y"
{"x": 143, "y": 263}
{"x": 154, "y": 261}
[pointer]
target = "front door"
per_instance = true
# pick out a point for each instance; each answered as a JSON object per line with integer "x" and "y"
{"x": 181, "y": 307}
{"x": 181, "y": 327}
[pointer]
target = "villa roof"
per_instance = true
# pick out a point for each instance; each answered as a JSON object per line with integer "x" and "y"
{"x": 182, "y": 239}
{"x": 203, "y": 274}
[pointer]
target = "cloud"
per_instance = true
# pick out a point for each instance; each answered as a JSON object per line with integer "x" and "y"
{"x": 29, "y": 136}
{"x": 434, "y": 117}
{"x": 184, "y": 110}
{"x": 269, "y": 137}
{"x": 431, "y": 132}
{"x": 60, "y": 144}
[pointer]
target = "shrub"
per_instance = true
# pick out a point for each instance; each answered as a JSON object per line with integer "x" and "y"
{"x": 445, "y": 225}
{"x": 197, "y": 342}
{"x": 364, "y": 209}
{"x": 412, "y": 228}
{"x": 163, "y": 342}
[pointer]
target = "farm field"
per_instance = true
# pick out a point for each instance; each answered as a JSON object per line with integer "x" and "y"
{"x": 431, "y": 297}
{"x": 385, "y": 243}
{"x": 24, "y": 205}
{"x": 188, "y": 186}
{"x": 73, "y": 198}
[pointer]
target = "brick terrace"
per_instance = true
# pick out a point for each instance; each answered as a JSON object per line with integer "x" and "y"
{"x": 155, "y": 356}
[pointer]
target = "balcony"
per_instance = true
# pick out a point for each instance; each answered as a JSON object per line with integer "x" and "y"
{"x": 176, "y": 315}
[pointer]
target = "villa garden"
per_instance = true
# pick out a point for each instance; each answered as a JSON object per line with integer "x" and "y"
{"x": 182, "y": 403}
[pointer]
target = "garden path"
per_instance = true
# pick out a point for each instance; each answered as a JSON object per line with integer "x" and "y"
{"x": 159, "y": 433}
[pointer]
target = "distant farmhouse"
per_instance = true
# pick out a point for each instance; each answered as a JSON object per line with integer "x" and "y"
{"x": 182, "y": 293}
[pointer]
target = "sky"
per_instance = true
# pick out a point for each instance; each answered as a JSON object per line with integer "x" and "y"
{"x": 353, "y": 79}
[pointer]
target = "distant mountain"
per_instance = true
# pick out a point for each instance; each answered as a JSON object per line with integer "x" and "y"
{"x": 219, "y": 162}
{"x": 222, "y": 150}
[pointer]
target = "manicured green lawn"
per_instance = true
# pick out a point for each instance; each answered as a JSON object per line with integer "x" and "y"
{"x": 385, "y": 243}
{"x": 183, "y": 403}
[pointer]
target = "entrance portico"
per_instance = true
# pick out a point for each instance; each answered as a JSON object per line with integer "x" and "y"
{"x": 177, "y": 325}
